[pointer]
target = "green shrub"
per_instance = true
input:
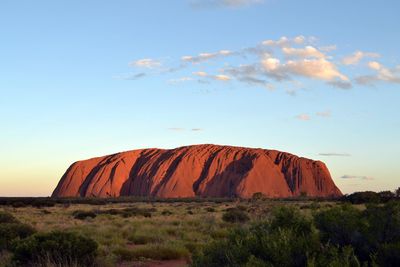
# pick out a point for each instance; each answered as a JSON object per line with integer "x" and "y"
{"x": 192, "y": 246}
{"x": 264, "y": 244}
{"x": 235, "y": 215}
{"x": 141, "y": 239}
{"x": 384, "y": 223}
{"x": 10, "y": 232}
{"x": 6, "y": 217}
{"x": 128, "y": 212}
{"x": 363, "y": 197}
{"x": 258, "y": 196}
{"x": 210, "y": 209}
{"x": 290, "y": 218}
{"x": 342, "y": 225}
{"x": 59, "y": 248}
{"x": 82, "y": 214}
{"x": 155, "y": 252}
{"x": 333, "y": 256}
{"x": 166, "y": 212}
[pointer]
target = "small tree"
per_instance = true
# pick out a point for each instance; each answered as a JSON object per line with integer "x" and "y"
{"x": 397, "y": 192}
{"x": 257, "y": 196}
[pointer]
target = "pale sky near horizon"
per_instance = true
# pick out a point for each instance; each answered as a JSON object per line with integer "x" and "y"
{"x": 80, "y": 79}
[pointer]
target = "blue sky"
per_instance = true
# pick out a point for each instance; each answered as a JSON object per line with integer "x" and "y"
{"x": 320, "y": 79}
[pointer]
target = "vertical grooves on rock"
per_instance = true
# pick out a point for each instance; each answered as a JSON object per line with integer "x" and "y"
{"x": 172, "y": 167}
{"x": 205, "y": 170}
{"x": 216, "y": 171}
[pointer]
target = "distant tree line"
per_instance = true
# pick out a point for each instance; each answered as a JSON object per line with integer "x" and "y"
{"x": 372, "y": 197}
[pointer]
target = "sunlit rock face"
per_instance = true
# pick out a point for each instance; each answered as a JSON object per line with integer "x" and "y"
{"x": 198, "y": 170}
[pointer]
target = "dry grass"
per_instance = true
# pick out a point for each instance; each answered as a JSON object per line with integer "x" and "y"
{"x": 163, "y": 236}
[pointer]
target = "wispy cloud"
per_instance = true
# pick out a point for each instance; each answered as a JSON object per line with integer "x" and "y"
{"x": 180, "y": 80}
{"x": 334, "y": 154}
{"x": 206, "y": 56}
{"x": 131, "y": 76}
{"x": 319, "y": 69}
{"x": 145, "y": 63}
{"x": 382, "y": 74}
{"x": 288, "y": 60}
{"x": 306, "y": 52}
{"x": 303, "y": 117}
{"x": 224, "y": 3}
{"x": 357, "y": 177}
{"x": 178, "y": 129}
{"x": 281, "y": 42}
{"x": 218, "y": 77}
{"x": 357, "y": 56}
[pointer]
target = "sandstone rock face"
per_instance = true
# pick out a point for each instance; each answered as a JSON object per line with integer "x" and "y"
{"x": 198, "y": 170}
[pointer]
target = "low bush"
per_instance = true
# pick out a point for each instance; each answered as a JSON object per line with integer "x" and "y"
{"x": 82, "y": 214}
{"x": 334, "y": 256}
{"x": 9, "y": 232}
{"x": 128, "y": 212}
{"x": 59, "y": 248}
{"x": 235, "y": 215}
{"x": 6, "y": 217}
{"x": 142, "y": 239}
{"x": 166, "y": 212}
{"x": 210, "y": 209}
{"x": 11, "y": 229}
{"x": 18, "y": 204}
{"x": 154, "y": 252}
{"x": 342, "y": 226}
{"x": 41, "y": 203}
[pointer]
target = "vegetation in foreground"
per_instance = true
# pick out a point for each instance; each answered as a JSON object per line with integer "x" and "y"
{"x": 256, "y": 232}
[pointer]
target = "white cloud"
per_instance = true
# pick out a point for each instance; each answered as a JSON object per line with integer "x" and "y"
{"x": 218, "y": 77}
{"x": 374, "y": 65}
{"x": 356, "y": 177}
{"x": 320, "y": 69}
{"x": 299, "y": 39}
{"x": 179, "y": 129}
{"x": 306, "y": 52}
{"x": 283, "y": 41}
{"x": 357, "y": 56}
{"x": 303, "y": 117}
{"x": 382, "y": 73}
{"x": 317, "y": 68}
{"x": 286, "y": 59}
{"x": 328, "y": 48}
{"x": 200, "y": 73}
{"x": 206, "y": 56}
{"x": 222, "y": 77}
{"x": 131, "y": 76}
{"x": 145, "y": 63}
{"x": 271, "y": 64}
{"x": 180, "y": 80}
